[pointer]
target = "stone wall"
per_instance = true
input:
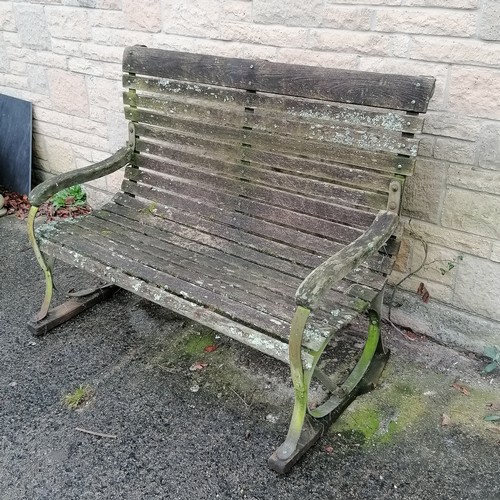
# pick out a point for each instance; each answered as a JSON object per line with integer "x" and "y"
{"x": 64, "y": 56}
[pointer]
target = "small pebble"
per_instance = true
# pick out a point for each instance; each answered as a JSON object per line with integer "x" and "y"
{"x": 13, "y": 384}
{"x": 194, "y": 388}
{"x": 271, "y": 418}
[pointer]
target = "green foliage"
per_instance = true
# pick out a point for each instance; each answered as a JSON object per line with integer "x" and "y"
{"x": 493, "y": 353}
{"x": 450, "y": 265}
{"x": 72, "y": 196}
{"x": 79, "y": 396}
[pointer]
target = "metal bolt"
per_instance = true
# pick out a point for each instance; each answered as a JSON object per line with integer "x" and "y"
{"x": 394, "y": 187}
{"x": 249, "y": 83}
{"x": 392, "y": 205}
{"x": 418, "y": 84}
{"x": 408, "y": 123}
{"x": 251, "y": 66}
{"x": 413, "y": 101}
{"x": 400, "y": 166}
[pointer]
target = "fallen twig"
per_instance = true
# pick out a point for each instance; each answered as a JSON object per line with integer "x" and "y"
{"x": 100, "y": 434}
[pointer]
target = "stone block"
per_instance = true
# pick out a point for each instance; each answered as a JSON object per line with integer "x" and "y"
{"x": 365, "y": 2}
{"x": 470, "y": 178}
{"x": 489, "y": 146}
{"x": 107, "y": 18}
{"x": 457, "y": 51}
{"x": 66, "y": 47}
{"x": 116, "y": 130}
{"x": 314, "y": 58}
{"x": 455, "y": 150}
{"x": 4, "y": 58}
{"x": 6, "y": 17}
{"x": 68, "y": 23}
{"x": 195, "y": 18}
{"x": 375, "y": 44}
{"x": 440, "y": 265}
{"x": 60, "y": 157}
{"x": 495, "y": 252}
{"x": 144, "y": 15}
{"x": 114, "y": 180}
{"x": 475, "y": 91}
{"x": 290, "y": 13}
{"x": 37, "y": 78}
{"x": 437, "y": 291}
{"x": 472, "y": 212}
{"x": 278, "y": 36}
{"x": 105, "y": 93}
{"x": 31, "y": 25}
{"x": 426, "y": 22}
{"x": 489, "y": 20}
{"x": 455, "y": 126}
{"x": 68, "y": 92}
{"x": 445, "y": 237}
{"x": 347, "y": 18}
{"x": 426, "y": 146}
{"x": 478, "y": 287}
{"x": 424, "y": 189}
{"x": 451, "y": 4}
{"x": 97, "y": 52}
{"x": 237, "y": 10}
{"x": 121, "y": 38}
{"x": 403, "y": 260}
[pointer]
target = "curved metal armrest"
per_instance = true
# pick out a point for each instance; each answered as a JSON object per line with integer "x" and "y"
{"x": 339, "y": 265}
{"x": 51, "y": 186}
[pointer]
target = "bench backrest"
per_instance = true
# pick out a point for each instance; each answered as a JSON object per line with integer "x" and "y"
{"x": 304, "y": 147}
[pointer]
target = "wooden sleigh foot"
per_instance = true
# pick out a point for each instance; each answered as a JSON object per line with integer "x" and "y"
{"x": 69, "y": 309}
{"x": 316, "y": 423}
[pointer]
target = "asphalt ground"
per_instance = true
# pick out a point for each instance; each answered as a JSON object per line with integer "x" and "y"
{"x": 189, "y": 424}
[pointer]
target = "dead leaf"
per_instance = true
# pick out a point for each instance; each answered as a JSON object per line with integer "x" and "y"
{"x": 460, "y": 387}
{"x": 494, "y": 429}
{"x": 210, "y": 348}
{"x": 328, "y": 448}
{"x": 493, "y": 406}
{"x": 445, "y": 420}
{"x": 423, "y": 292}
{"x": 198, "y": 365}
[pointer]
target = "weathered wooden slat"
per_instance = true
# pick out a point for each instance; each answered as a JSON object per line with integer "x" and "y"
{"x": 234, "y": 282}
{"x": 196, "y": 269}
{"x": 253, "y": 225}
{"x": 387, "y": 91}
{"x": 247, "y": 185}
{"x": 138, "y": 265}
{"x": 253, "y": 253}
{"x": 272, "y": 249}
{"x": 346, "y": 175}
{"x": 306, "y": 137}
{"x": 178, "y": 115}
{"x": 232, "y": 329}
{"x": 299, "y": 108}
{"x": 269, "y": 254}
{"x": 226, "y": 147}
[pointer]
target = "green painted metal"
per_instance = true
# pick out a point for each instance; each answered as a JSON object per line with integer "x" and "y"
{"x": 300, "y": 383}
{"x": 352, "y": 382}
{"x": 337, "y": 403}
{"x": 46, "y": 267}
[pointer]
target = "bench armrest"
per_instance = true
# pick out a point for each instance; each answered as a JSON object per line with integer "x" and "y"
{"x": 51, "y": 186}
{"x": 314, "y": 286}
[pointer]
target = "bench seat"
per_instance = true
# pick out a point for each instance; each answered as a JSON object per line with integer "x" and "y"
{"x": 260, "y": 199}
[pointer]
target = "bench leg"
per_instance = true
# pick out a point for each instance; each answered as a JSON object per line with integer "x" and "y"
{"x": 46, "y": 265}
{"x": 305, "y": 429}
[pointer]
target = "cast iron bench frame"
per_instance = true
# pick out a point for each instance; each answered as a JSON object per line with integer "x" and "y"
{"x": 334, "y": 122}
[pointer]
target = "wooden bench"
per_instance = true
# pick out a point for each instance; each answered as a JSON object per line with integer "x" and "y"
{"x": 259, "y": 199}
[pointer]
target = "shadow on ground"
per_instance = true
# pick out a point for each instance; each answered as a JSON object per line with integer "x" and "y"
{"x": 184, "y": 433}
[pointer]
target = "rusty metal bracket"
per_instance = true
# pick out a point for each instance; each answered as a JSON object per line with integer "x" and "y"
{"x": 394, "y": 201}
{"x": 131, "y": 136}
